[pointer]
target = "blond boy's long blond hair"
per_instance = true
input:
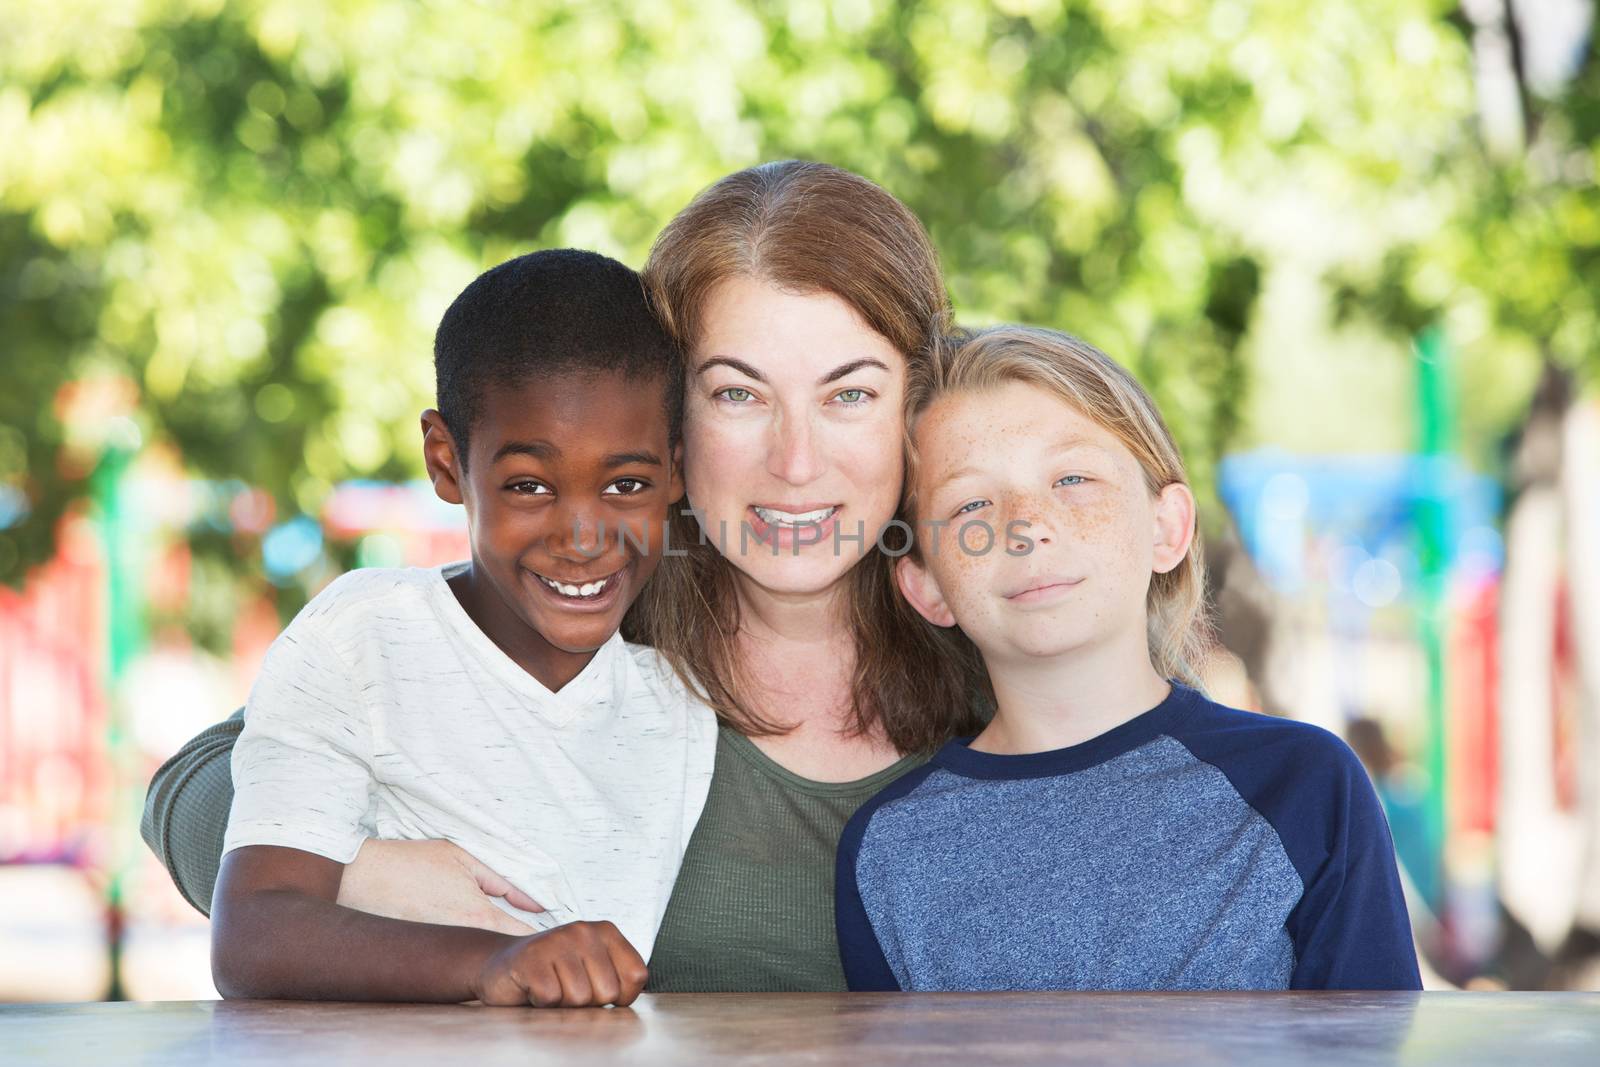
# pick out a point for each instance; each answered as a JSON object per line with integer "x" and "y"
{"x": 1106, "y": 394}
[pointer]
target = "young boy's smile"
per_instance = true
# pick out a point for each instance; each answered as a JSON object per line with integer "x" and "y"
{"x": 567, "y": 487}
{"x": 1086, "y": 528}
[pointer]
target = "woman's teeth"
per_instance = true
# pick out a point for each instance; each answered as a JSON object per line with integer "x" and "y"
{"x": 789, "y": 518}
{"x": 591, "y": 589}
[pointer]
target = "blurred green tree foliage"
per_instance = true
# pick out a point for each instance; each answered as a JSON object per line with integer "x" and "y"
{"x": 239, "y": 222}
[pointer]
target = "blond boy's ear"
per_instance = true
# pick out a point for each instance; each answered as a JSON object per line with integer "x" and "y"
{"x": 1174, "y": 527}
{"x": 440, "y": 457}
{"x": 919, "y": 586}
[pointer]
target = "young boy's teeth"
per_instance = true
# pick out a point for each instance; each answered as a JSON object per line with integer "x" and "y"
{"x": 790, "y": 518}
{"x": 591, "y": 589}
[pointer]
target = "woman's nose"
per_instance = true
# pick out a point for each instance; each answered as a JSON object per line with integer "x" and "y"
{"x": 792, "y": 452}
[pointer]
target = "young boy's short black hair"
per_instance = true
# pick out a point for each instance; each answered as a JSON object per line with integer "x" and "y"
{"x": 560, "y": 311}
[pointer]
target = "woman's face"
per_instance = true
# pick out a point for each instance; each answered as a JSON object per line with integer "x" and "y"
{"x": 793, "y": 452}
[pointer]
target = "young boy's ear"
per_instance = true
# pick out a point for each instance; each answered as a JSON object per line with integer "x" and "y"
{"x": 919, "y": 587}
{"x": 439, "y": 454}
{"x": 1174, "y": 526}
{"x": 675, "y": 488}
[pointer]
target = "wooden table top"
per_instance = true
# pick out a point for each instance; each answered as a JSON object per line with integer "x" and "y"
{"x": 1232, "y": 1029}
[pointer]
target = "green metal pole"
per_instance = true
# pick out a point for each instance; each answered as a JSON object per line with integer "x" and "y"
{"x": 1436, "y": 421}
{"x": 125, "y": 636}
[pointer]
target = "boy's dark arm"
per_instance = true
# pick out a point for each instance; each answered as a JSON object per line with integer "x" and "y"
{"x": 277, "y": 933}
{"x": 186, "y": 810}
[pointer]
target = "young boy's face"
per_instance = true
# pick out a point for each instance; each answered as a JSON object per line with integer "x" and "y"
{"x": 567, "y": 489}
{"x": 1015, "y": 457}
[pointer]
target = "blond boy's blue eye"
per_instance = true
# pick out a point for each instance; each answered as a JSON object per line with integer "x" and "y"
{"x": 971, "y": 505}
{"x": 1070, "y": 479}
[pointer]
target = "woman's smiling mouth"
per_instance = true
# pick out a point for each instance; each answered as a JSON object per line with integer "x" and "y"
{"x": 794, "y": 517}
{"x": 795, "y": 525}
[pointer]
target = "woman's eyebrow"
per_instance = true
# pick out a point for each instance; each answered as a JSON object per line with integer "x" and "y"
{"x": 750, "y": 372}
{"x": 850, "y": 368}
{"x": 737, "y": 364}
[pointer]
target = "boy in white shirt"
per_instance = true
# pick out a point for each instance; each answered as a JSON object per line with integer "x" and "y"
{"x": 492, "y": 702}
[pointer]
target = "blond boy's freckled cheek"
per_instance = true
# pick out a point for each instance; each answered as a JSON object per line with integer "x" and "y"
{"x": 960, "y": 577}
{"x": 1101, "y": 523}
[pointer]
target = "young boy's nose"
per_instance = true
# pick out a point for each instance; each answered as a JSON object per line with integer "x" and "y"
{"x": 581, "y": 533}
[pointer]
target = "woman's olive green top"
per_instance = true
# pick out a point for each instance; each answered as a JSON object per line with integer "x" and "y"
{"x": 752, "y": 910}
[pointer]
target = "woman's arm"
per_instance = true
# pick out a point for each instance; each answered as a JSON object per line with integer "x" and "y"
{"x": 186, "y": 810}
{"x": 432, "y": 882}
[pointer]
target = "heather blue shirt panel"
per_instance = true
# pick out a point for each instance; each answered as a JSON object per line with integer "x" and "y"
{"x": 1350, "y": 929}
{"x": 1195, "y": 847}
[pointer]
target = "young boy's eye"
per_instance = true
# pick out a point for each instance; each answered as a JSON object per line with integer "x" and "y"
{"x": 626, "y": 487}
{"x": 970, "y": 506}
{"x": 525, "y": 487}
{"x": 734, "y": 394}
{"x": 1071, "y": 479}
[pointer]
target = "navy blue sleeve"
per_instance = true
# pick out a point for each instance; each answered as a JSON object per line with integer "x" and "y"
{"x": 866, "y": 969}
{"x": 1350, "y": 929}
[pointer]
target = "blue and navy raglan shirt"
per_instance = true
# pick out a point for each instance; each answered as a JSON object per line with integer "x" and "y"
{"x": 1193, "y": 847}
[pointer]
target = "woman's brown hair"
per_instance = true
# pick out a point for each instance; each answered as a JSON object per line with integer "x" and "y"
{"x": 807, "y": 228}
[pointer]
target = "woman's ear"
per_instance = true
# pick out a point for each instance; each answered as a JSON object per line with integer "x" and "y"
{"x": 918, "y": 585}
{"x": 440, "y": 456}
{"x": 1174, "y": 526}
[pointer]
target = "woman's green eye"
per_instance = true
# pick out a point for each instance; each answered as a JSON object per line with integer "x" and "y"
{"x": 852, "y": 396}
{"x": 735, "y": 394}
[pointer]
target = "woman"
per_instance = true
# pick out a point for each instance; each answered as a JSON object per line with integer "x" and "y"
{"x": 800, "y": 294}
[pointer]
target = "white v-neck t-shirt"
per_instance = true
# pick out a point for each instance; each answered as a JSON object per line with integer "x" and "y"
{"x": 384, "y": 711}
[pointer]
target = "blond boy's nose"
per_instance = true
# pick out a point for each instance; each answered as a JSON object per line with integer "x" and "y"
{"x": 1029, "y": 525}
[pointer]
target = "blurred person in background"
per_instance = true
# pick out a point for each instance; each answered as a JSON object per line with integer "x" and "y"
{"x": 1402, "y": 792}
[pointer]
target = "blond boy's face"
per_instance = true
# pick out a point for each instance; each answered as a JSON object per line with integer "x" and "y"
{"x": 1085, "y": 532}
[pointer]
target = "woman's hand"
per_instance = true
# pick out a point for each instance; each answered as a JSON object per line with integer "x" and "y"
{"x": 431, "y": 882}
